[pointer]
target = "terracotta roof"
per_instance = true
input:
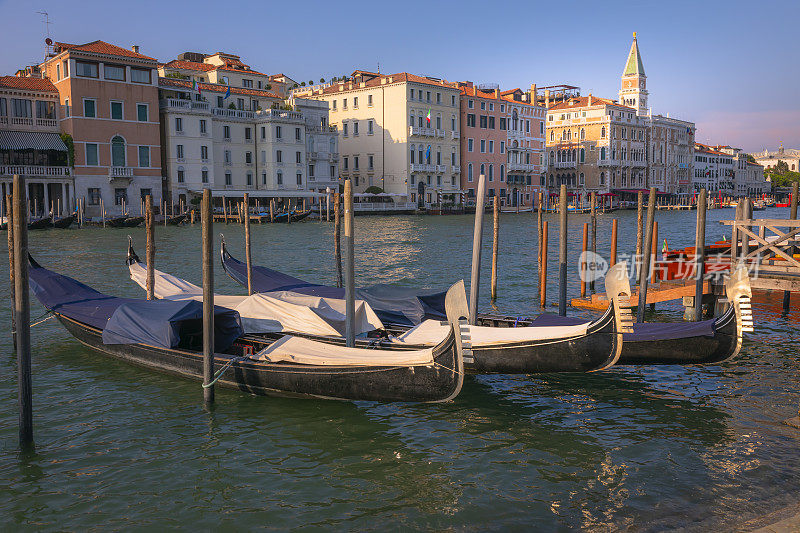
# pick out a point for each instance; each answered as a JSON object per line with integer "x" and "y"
{"x": 400, "y": 77}
{"x": 246, "y": 71}
{"x": 190, "y": 65}
{"x": 754, "y": 164}
{"x": 213, "y": 87}
{"x": 101, "y": 47}
{"x": 29, "y": 84}
{"x": 583, "y": 101}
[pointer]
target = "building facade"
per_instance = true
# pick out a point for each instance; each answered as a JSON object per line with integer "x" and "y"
{"x": 399, "y": 132}
{"x": 670, "y": 159}
{"x": 30, "y": 145}
{"x": 109, "y": 99}
{"x": 525, "y": 144}
{"x": 769, "y": 159}
{"x": 714, "y": 171}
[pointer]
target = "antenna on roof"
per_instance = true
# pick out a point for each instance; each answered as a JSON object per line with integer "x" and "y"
{"x": 379, "y": 67}
{"x": 48, "y": 42}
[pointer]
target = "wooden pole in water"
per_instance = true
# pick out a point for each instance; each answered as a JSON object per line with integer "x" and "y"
{"x": 539, "y": 228}
{"x": 164, "y": 203}
{"x": 337, "y": 236}
{"x": 747, "y": 214}
{"x": 639, "y": 227}
{"x": 289, "y": 210}
{"x": 612, "y": 260}
{"x": 787, "y": 295}
{"x": 477, "y": 242}
{"x": 495, "y": 246}
{"x": 103, "y": 212}
{"x": 10, "y": 231}
{"x": 349, "y": 266}
{"x": 225, "y": 209}
{"x": 700, "y": 254}
{"x": 247, "y": 244}
{"x": 327, "y": 206}
{"x": 582, "y": 265}
{"x": 272, "y": 210}
{"x": 150, "y": 249}
{"x": 543, "y": 272}
{"x": 22, "y": 310}
{"x": 648, "y": 242}
{"x": 208, "y": 296}
{"x": 654, "y": 254}
{"x": 562, "y": 252}
{"x": 593, "y": 214}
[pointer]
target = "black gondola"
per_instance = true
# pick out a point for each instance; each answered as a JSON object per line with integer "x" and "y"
{"x": 132, "y": 222}
{"x": 297, "y": 217}
{"x": 88, "y": 315}
{"x": 176, "y": 220}
{"x": 574, "y": 348}
{"x": 63, "y": 222}
{"x": 40, "y": 223}
{"x": 705, "y": 342}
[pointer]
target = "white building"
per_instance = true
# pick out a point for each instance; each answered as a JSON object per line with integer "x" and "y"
{"x": 768, "y": 159}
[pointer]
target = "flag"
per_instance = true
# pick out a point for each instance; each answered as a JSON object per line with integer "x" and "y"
{"x": 665, "y": 247}
{"x": 429, "y": 121}
{"x": 196, "y": 86}
{"x": 227, "y": 93}
{"x": 428, "y": 151}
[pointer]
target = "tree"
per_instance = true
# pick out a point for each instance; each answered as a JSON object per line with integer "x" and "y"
{"x": 311, "y": 82}
{"x": 302, "y": 84}
{"x": 322, "y": 80}
{"x": 782, "y": 167}
{"x": 232, "y": 106}
{"x": 751, "y": 159}
{"x": 268, "y": 87}
{"x": 67, "y": 138}
{"x": 373, "y": 189}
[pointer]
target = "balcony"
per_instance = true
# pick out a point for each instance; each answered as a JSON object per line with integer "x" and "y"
{"x": 454, "y": 135}
{"x": 608, "y": 162}
{"x": 441, "y": 168}
{"x": 234, "y": 113}
{"x": 565, "y": 164}
{"x": 333, "y": 158}
{"x": 179, "y": 104}
{"x": 120, "y": 172}
{"x": 312, "y": 155}
{"x": 520, "y": 166}
{"x": 422, "y": 168}
{"x": 456, "y": 169}
{"x": 640, "y": 164}
{"x": 282, "y": 114}
{"x": 423, "y": 132}
{"x": 439, "y": 133}
{"x": 55, "y": 172}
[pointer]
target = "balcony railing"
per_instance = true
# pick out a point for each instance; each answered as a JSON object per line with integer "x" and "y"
{"x": 233, "y": 113}
{"x": 179, "y": 103}
{"x": 383, "y": 206}
{"x": 422, "y": 168}
{"x": 425, "y": 132}
{"x": 456, "y": 169}
{"x": 566, "y": 164}
{"x": 520, "y": 166}
{"x": 313, "y": 155}
{"x": 3, "y": 121}
{"x": 439, "y": 133}
{"x": 333, "y": 157}
{"x": 27, "y": 170}
{"x": 120, "y": 172}
{"x": 455, "y": 135}
{"x": 281, "y": 113}
{"x": 441, "y": 168}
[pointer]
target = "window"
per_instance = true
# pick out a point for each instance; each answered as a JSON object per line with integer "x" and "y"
{"x": 181, "y": 175}
{"x": 263, "y": 176}
{"x": 278, "y": 133}
{"x": 355, "y": 162}
{"x": 118, "y": 151}
{"x": 484, "y": 121}
{"x": 226, "y": 132}
{"x": 141, "y": 112}
{"x": 369, "y": 100}
{"x": 114, "y": 72}
{"x": 94, "y": 196}
{"x": 178, "y": 124}
{"x": 469, "y": 172}
{"x": 311, "y": 171}
{"x": 470, "y": 145}
{"x": 413, "y": 151}
{"x": 483, "y": 169}
{"x": 204, "y": 175}
{"x": 299, "y": 178}
{"x": 228, "y": 178}
{"x": 491, "y": 147}
{"x": 471, "y": 104}
{"x": 120, "y": 196}
{"x": 91, "y": 155}
{"x": 204, "y": 153}
{"x": 370, "y": 162}
{"x": 240, "y": 104}
{"x": 250, "y": 178}
{"x": 89, "y": 108}
{"x": 344, "y": 159}
{"x": 370, "y": 127}
{"x": 491, "y": 123}
{"x": 334, "y": 105}
{"x": 483, "y": 146}
{"x": 428, "y": 96}
{"x": 66, "y": 107}
{"x": 453, "y": 123}
{"x": 3, "y": 108}
{"x": 220, "y": 101}
{"x": 344, "y": 103}
{"x": 179, "y": 151}
{"x": 298, "y": 136}
{"x": 438, "y": 98}
{"x": 344, "y": 129}
{"x": 471, "y": 120}
{"x": 248, "y": 158}
{"x": 85, "y": 69}
{"x": 583, "y": 155}
{"x": 144, "y": 156}
{"x": 279, "y": 156}
{"x": 297, "y": 157}
{"x": 279, "y": 178}
{"x": 483, "y": 106}
{"x": 227, "y": 157}
{"x": 263, "y": 132}
{"x": 58, "y": 72}
{"x": 247, "y": 83}
{"x": 247, "y": 134}
{"x": 355, "y": 127}
{"x": 45, "y": 109}
{"x": 453, "y": 100}
{"x": 502, "y": 123}
{"x": 355, "y": 102}
{"x": 502, "y": 147}
{"x": 140, "y": 75}
{"x": 491, "y": 172}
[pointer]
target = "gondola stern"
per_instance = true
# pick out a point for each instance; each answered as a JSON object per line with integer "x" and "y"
{"x": 739, "y": 292}
{"x": 618, "y": 290}
{"x": 457, "y": 311}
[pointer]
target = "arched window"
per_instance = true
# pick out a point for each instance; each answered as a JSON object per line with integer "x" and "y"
{"x": 483, "y": 169}
{"x": 574, "y": 155}
{"x": 583, "y": 155}
{"x": 603, "y": 152}
{"x": 552, "y": 135}
{"x": 552, "y": 157}
{"x": 502, "y": 172}
{"x": 118, "y": 151}
{"x": 583, "y": 134}
{"x": 491, "y": 172}
{"x": 551, "y": 180}
{"x": 413, "y": 154}
{"x": 602, "y": 178}
{"x": 515, "y": 119}
{"x": 469, "y": 172}
{"x": 603, "y": 132}
{"x": 581, "y": 180}
{"x": 559, "y": 157}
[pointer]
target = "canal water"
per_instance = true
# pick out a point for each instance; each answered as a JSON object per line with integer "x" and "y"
{"x": 644, "y": 448}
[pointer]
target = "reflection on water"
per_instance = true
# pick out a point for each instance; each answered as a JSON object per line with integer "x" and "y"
{"x": 633, "y": 447}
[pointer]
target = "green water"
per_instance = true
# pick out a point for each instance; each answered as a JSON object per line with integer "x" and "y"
{"x": 640, "y": 448}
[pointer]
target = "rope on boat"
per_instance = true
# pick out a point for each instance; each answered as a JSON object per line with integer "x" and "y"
{"x": 226, "y": 366}
{"x": 44, "y": 320}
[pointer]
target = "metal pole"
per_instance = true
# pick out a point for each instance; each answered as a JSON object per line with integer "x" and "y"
{"x": 612, "y": 259}
{"x": 247, "y": 244}
{"x": 593, "y": 212}
{"x": 10, "y": 230}
{"x": 562, "y": 252}
{"x": 543, "y": 272}
{"x": 349, "y": 266}
{"x": 700, "y": 254}
{"x": 477, "y": 241}
{"x": 496, "y": 235}
{"x": 337, "y": 236}
{"x": 22, "y": 310}
{"x": 648, "y": 242}
{"x": 208, "y": 297}
{"x": 150, "y": 249}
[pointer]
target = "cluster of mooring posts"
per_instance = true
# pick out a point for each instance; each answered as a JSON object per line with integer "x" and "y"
{"x": 749, "y": 245}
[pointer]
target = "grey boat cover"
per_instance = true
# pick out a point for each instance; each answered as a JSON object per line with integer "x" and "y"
{"x": 648, "y": 331}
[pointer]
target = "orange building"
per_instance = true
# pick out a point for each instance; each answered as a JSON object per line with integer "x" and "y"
{"x": 109, "y": 100}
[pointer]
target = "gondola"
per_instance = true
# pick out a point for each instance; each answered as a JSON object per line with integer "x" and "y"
{"x": 132, "y": 222}
{"x": 564, "y": 348}
{"x": 297, "y": 217}
{"x": 40, "y": 223}
{"x": 113, "y": 222}
{"x": 176, "y": 220}
{"x": 63, "y": 222}
{"x": 167, "y": 335}
{"x": 280, "y": 218}
{"x": 706, "y": 342}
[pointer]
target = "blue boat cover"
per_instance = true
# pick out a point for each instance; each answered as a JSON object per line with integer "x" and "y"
{"x": 392, "y": 304}
{"x": 129, "y": 320}
{"x": 648, "y": 331}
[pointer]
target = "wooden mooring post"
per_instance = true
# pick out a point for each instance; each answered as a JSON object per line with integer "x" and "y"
{"x": 647, "y": 243}
{"x": 10, "y": 231}
{"x": 612, "y": 256}
{"x": 582, "y": 265}
{"x": 639, "y": 227}
{"x": 150, "y": 246}
{"x": 593, "y": 216}
{"x": 495, "y": 246}
{"x": 207, "y": 230}
{"x": 349, "y": 264}
{"x": 654, "y": 254}
{"x": 22, "y": 311}
{"x": 337, "y": 236}
{"x": 543, "y": 270}
{"x": 700, "y": 255}
{"x": 477, "y": 242}
{"x": 562, "y": 252}
{"x": 247, "y": 246}
{"x": 787, "y": 295}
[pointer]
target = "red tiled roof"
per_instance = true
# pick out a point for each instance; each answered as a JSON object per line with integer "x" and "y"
{"x": 583, "y": 101}
{"x": 190, "y": 65}
{"x": 754, "y": 164}
{"x": 101, "y": 47}
{"x": 213, "y": 87}
{"x": 29, "y": 84}
{"x": 246, "y": 71}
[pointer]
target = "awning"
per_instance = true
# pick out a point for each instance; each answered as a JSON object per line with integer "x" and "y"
{"x": 256, "y": 193}
{"x": 27, "y": 140}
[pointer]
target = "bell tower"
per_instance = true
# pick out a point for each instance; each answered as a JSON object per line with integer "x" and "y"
{"x": 633, "y": 90}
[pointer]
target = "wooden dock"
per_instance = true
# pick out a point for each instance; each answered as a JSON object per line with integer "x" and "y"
{"x": 662, "y": 292}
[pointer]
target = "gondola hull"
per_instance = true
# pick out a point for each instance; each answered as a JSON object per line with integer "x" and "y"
{"x": 176, "y": 220}
{"x": 64, "y": 222}
{"x": 42, "y": 223}
{"x": 132, "y": 222}
{"x": 438, "y": 382}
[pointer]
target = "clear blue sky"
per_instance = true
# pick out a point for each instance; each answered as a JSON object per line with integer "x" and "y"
{"x": 731, "y": 67}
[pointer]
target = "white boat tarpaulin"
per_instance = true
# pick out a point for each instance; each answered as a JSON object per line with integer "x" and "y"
{"x": 432, "y": 331}
{"x": 278, "y": 312}
{"x": 310, "y": 352}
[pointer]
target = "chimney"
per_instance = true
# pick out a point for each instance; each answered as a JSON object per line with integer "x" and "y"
{"x": 590, "y": 98}
{"x": 533, "y": 93}
{"x": 547, "y": 97}
{"x": 497, "y": 93}
{"x": 135, "y": 48}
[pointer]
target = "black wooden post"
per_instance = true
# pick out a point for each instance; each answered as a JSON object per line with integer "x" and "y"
{"x": 349, "y": 264}
{"x": 562, "y": 252}
{"x": 700, "y": 254}
{"x": 10, "y": 231}
{"x": 247, "y": 247}
{"x": 208, "y": 296}
{"x": 22, "y": 310}
{"x": 647, "y": 243}
{"x": 150, "y": 246}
